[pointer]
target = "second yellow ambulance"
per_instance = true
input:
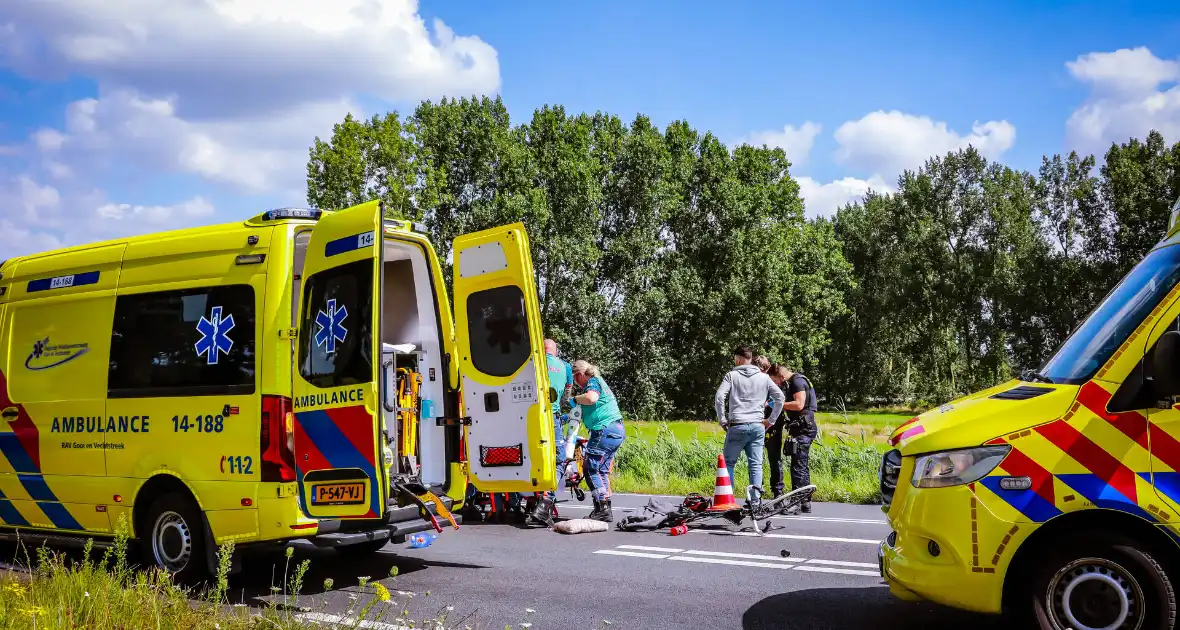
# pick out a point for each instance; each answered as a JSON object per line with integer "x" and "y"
{"x": 1056, "y": 497}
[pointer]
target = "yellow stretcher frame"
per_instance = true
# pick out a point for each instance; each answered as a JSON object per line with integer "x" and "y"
{"x": 409, "y": 383}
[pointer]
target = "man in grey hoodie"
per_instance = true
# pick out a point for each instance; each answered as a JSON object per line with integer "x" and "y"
{"x": 747, "y": 389}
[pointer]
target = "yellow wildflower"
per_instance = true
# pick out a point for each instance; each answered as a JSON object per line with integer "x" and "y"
{"x": 382, "y": 592}
{"x": 32, "y": 611}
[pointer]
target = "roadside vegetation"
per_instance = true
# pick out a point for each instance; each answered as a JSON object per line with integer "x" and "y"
{"x": 54, "y": 589}
{"x": 681, "y": 457}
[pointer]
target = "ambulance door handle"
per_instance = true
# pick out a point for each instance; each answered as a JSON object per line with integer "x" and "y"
{"x": 10, "y": 413}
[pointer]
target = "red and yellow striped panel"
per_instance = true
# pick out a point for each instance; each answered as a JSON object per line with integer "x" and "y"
{"x": 1088, "y": 458}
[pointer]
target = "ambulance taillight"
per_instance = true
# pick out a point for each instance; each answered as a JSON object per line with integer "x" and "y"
{"x": 277, "y": 439}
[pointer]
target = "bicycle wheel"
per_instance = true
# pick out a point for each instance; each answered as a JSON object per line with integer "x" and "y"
{"x": 784, "y": 503}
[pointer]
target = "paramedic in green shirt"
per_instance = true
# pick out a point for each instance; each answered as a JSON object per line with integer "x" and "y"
{"x": 561, "y": 379}
{"x": 601, "y": 415}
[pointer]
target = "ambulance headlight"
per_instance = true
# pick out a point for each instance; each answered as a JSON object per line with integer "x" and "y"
{"x": 955, "y": 468}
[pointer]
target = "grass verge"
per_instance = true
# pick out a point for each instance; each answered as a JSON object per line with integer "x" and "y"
{"x": 681, "y": 457}
{"x": 51, "y": 592}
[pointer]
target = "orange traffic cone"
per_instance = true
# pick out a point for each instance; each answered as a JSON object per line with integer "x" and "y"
{"x": 723, "y": 491}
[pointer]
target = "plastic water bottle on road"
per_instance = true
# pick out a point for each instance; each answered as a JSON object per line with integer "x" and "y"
{"x": 422, "y": 540}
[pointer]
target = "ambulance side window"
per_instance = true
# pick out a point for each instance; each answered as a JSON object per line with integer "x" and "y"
{"x": 498, "y": 329}
{"x": 335, "y": 346}
{"x": 191, "y": 342}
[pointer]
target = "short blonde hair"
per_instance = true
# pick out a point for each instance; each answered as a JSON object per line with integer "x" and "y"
{"x": 585, "y": 367}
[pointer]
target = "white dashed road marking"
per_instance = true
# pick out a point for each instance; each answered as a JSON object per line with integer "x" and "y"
{"x": 633, "y": 554}
{"x": 814, "y": 565}
{"x": 340, "y": 621}
{"x": 642, "y": 548}
{"x": 818, "y": 519}
{"x": 861, "y": 541}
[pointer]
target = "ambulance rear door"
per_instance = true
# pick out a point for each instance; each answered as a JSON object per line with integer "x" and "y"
{"x": 337, "y": 403}
{"x": 502, "y": 370}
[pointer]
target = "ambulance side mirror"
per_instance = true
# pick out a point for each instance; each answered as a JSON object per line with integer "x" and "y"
{"x": 1165, "y": 363}
{"x": 552, "y": 395}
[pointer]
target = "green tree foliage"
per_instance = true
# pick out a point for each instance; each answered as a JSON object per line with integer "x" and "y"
{"x": 972, "y": 272}
{"x": 658, "y": 250}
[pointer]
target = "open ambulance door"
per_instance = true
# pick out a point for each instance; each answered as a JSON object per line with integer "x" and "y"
{"x": 502, "y": 369}
{"x": 339, "y": 459}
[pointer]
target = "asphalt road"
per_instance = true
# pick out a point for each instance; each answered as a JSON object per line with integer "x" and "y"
{"x": 493, "y": 575}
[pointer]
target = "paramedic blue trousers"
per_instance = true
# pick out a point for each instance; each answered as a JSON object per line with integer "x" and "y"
{"x": 600, "y": 452}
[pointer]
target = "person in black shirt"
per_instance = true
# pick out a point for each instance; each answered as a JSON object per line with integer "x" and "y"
{"x": 800, "y": 427}
{"x": 774, "y": 437}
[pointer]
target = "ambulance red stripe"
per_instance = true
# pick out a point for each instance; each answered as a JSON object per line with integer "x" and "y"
{"x": 1093, "y": 457}
{"x": 1132, "y": 423}
{"x": 357, "y": 425}
{"x": 1017, "y": 464}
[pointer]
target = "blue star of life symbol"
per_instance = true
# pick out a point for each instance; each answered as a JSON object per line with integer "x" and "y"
{"x": 330, "y": 329}
{"x": 214, "y": 335}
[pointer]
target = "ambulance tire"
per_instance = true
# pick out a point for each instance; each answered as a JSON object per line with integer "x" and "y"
{"x": 175, "y": 540}
{"x": 1118, "y": 576}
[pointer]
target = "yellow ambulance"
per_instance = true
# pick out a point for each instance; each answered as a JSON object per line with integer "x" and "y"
{"x": 1056, "y": 497}
{"x": 294, "y": 375}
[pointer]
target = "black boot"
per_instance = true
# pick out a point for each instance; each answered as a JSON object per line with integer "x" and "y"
{"x": 543, "y": 513}
{"x": 806, "y": 507}
{"x": 602, "y": 511}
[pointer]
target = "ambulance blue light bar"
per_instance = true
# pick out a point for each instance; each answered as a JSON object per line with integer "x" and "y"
{"x": 292, "y": 213}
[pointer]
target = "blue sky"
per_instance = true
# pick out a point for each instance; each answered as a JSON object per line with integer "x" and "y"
{"x": 117, "y": 119}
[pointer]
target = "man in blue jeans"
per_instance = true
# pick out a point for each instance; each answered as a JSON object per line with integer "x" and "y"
{"x": 747, "y": 387}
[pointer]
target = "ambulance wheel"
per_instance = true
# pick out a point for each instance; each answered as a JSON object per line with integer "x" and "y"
{"x": 1103, "y": 583}
{"x": 176, "y": 538}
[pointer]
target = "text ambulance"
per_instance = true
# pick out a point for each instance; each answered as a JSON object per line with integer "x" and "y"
{"x": 296, "y": 375}
{"x": 1057, "y": 497}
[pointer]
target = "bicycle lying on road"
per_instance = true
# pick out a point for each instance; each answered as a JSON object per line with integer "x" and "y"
{"x": 788, "y": 503}
{"x": 697, "y": 508}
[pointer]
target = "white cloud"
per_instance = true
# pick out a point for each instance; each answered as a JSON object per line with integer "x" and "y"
{"x": 223, "y": 58}
{"x": 231, "y": 91}
{"x": 890, "y": 142}
{"x": 1134, "y": 70}
{"x": 195, "y": 208}
{"x": 46, "y": 218}
{"x": 34, "y": 204}
{"x": 825, "y": 199}
{"x": 796, "y": 142}
{"x": 1129, "y": 96}
{"x": 254, "y": 154}
{"x": 16, "y": 240}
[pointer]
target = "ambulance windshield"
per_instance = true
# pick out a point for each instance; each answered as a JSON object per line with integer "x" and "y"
{"x": 1109, "y": 325}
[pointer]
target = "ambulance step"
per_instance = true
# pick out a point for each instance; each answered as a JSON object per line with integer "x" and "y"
{"x": 341, "y": 539}
{"x": 410, "y": 512}
{"x": 396, "y": 532}
{"x": 56, "y": 540}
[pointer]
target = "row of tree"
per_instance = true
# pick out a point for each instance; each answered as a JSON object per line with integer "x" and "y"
{"x": 657, "y": 251}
